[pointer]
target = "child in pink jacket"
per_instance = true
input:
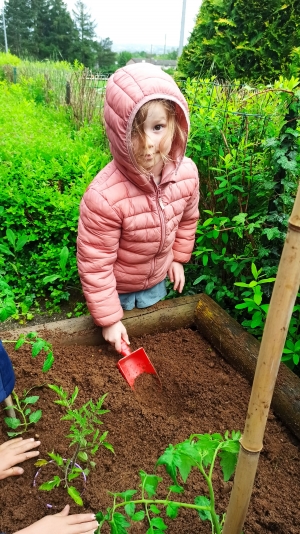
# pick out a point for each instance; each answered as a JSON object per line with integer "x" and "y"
{"x": 138, "y": 216}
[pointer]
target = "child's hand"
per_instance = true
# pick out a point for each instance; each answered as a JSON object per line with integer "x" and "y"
{"x": 63, "y": 523}
{"x": 114, "y": 333}
{"x": 14, "y": 452}
{"x": 176, "y": 275}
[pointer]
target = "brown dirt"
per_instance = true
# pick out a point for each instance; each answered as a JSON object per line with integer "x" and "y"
{"x": 201, "y": 393}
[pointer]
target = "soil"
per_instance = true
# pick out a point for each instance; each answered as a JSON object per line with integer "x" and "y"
{"x": 200, "y": 393}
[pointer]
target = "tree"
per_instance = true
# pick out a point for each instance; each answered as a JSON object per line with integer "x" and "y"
{"x": 40, "y": 30}
{"x": 124, "y": 57}
{"x": 63, "y": 34}
{"x": 244, "y": 39}
{"x": 85, "y": 26}
{"x": 18, "y": 26}
{"x": 105, "y": 57}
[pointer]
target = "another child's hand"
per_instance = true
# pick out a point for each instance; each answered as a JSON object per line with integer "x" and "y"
{"x": 14, "y": 452}
{"x": 114, "y": 334}
{"x": 63, "y": 523}
{"x": 176, "y": 275}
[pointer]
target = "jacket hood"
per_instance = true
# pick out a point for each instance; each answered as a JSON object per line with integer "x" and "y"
{"x": 128, "y": 89}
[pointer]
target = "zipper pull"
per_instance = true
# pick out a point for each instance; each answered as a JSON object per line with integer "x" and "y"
{"x": 161, "y": 203}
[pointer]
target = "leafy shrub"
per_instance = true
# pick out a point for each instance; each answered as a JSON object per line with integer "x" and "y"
{"x": 46, "y": 165}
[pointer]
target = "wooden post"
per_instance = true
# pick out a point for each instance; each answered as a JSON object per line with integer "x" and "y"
{"x": 10, "y": 411}
{"x": 277, "y": 323}
{"x": 68, "y": 93}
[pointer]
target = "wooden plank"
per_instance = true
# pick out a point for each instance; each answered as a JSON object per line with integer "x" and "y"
{"x": 241, "y": 349}
{"x": 164, "y": 316}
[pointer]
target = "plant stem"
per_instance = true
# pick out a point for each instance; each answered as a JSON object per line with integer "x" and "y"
{"x": 71, "y": 463}
{"x": 164, "y": 502}
{"x": 18, "y": 408}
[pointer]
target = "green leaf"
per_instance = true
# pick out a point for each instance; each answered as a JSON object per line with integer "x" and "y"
{"x": 37, "y": 347}
{"x": 41, "y": 462}
{"x": 73, "y": 475}
{"x": 99, "y": 517}
{"x": 129, "y": 508}
{"x": 158, "y": 523}
{"x": 138, "y": 516}
{"x": 108, "y": 446}
{"x": 63, "y": 258}
{"x": 48, "y": 362}
{"x": 171, "y": 459}
{"x": 150, "y": 483}
{"x": 31, "y": 400}
{"x": 254, "y": 271}
{"x": 154, "y": 509}
{"x": 48, "y": 486}
{"x": 57, "y": 458}
{"x": 75, "y": 495}
{"x": 126, "y": 495}
{"x": 5, "y": 250}
{"x": 50, "y": 278}
{"x": 203, "y": 501}
{"x": 172, "y": 510}
{"x": 119, "y": 524}
{"x": 11, "y": 236}
{"x": 74, "y": 395}
{"x": 228, "y": 463}
{"x": 206, "y": 445}
{"x": 35, "y": 416}
{"x": 20, "y": 342}
{"x": 12, "y": 422}
{"x": 82, "y": 456}
{"x": 176, "y": 489}
{"x": 21, "y": 242}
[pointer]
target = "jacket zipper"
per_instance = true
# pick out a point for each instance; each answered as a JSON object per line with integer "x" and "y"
{"x": 161, "y": 207}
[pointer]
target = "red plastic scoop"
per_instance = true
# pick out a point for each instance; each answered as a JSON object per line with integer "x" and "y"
{"x": 134, "y": 364}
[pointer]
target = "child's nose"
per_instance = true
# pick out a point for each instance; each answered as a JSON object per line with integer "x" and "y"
{"x": 149, "y": 142}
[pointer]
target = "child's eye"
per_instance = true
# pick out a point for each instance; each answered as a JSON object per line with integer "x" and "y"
{"x": 158, "y": 127}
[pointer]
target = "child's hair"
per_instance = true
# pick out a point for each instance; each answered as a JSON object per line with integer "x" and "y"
{"x": 174, "y": 126}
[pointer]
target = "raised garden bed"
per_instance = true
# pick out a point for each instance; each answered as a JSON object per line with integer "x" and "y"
{"x": 201, "y": 393}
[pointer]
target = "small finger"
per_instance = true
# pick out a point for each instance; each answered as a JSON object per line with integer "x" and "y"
{"x": 117, "y": 346}
{"x": 126, "y": 338}
{"x": 28, "y": 444}
{"x": 14, "y": 471}
{"x": 11, "y": 442}
{"x": 27, "y": 456}
{"x": 89, "y": 519}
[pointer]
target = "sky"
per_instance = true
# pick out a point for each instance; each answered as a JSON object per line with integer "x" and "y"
{"x": 141, "y": 22}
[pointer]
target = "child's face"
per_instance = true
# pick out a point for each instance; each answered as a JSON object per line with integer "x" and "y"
{"x": 158, "y": 139}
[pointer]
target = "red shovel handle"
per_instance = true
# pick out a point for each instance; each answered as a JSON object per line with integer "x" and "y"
{"x": 125, "y": 350}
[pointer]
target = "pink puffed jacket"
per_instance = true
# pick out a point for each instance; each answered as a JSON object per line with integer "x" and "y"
{"x": 130, "y": 230}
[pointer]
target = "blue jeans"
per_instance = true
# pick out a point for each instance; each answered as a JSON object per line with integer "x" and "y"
{"x": 144, "y": 298}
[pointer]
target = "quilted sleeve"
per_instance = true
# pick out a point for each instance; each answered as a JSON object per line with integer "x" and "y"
{"x": 185, "y": 235}
{"x": 99, "y": 231}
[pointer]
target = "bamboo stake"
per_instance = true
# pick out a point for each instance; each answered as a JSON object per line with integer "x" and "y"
{"x": 10, "y": 411}
{"x": 277, "y": 323}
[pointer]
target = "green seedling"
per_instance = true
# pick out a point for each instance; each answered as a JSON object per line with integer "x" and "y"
{"x": 23, "y": 408}
{"x": 200, "y": 451}
{"x": 85, "y": 440}
{"x": 38, "y": 344}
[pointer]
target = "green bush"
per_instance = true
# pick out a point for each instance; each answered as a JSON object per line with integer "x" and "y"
{"x": 46, "y": 165}
{"x": 248, "y": 162}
